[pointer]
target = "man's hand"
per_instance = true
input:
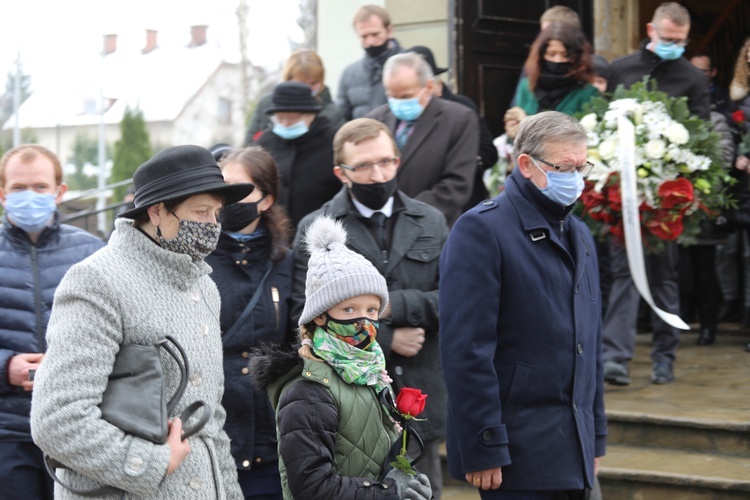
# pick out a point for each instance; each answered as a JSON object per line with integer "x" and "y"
{"x": 489, "y": 479}
{"x": 407, "y": 341}
{"x": 179, "y": 449}
{"x": 19, "y": 366}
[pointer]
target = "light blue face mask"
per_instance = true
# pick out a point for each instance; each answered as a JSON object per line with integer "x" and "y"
{"x": 405, "y": 109}
{"x": 29, "y": 210}
{"x": 292, "y": 131}
{"x": 668, "y": 51}
{"x": 564, "y": 188}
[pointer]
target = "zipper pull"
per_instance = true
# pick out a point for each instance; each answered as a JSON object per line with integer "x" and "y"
{"x": 561, "y": 226}
{"x": 275, "y": 298}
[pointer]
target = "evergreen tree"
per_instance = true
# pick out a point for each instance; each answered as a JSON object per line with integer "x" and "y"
{"x": 131, "y": 150}
{"x": 85, "y": 152}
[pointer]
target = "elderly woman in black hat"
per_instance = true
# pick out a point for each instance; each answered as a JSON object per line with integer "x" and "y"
{"x": 149, "y": 282}
{"x": 301, "y": 143}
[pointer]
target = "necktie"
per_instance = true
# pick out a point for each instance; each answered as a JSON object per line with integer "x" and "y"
{"x": 378, "y": 219}
{"x": 402, "y": 133}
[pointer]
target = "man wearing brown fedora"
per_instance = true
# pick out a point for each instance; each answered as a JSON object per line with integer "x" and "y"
{"x": 300, "y": 143}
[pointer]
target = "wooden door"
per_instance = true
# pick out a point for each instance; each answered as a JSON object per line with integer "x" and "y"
{"x": 492, "y": 41}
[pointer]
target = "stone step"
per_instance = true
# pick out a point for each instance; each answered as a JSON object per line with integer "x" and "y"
{"x": 668, "y": 432}
{"x": 633, "y": 472}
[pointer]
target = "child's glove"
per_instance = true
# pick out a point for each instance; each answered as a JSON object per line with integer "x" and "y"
{"x": 411, "y": 487}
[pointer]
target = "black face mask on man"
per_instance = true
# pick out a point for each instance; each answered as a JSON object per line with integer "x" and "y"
{"x": 374, "y": 196}
{"x": 238, "y": 216}
{"x": 377, "y": 50}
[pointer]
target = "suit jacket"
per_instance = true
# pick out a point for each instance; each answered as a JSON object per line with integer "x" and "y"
{"x": 521, "y": 344}
{"x": 440, "y": 157}
{"x": 411, "y": 271}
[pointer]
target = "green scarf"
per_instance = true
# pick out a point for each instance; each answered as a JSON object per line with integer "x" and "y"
{"x": 354, "y": 365}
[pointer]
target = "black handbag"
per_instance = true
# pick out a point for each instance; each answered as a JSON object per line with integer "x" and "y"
{"x": 134, "y": 400}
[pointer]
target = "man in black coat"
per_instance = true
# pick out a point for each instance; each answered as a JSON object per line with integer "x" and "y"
{"x": 300, "y": 143}
{"x": 659, "y": 58}
{"x": 438, "y": 139}
{"x": 487, "y": 153}
{"x": 402, "y": 237}
{"x": 35, "y": 252}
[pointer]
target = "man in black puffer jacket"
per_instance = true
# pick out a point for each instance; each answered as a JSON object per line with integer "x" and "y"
{"x": 35, "y": 252}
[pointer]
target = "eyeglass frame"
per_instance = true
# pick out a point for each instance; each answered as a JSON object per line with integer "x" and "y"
{"x": 672, "y": 41}
{"x": 367, "y": 166}
{"x": 584, "y": 170}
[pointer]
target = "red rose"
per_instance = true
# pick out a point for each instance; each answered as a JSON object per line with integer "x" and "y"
{"x": 738, "y": 116}
{"x": 410, "y": 401}
{"x": 665, "y": 225}
{"x": 676, "y": 192}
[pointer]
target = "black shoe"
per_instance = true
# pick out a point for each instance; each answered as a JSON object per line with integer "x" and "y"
{"x": 747, "y": 347}
{"x": 707, "y": 336}
{"x": 745, "y": 320}
{"x": 616, "y": 374}
{"x": 730, "y": 311}
{"x": 662, "y": 373}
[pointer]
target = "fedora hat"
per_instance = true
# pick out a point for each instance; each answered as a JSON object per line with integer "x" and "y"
{"x": 429, "y": 57}
{"x": 181, "y": 171}
{"x": 293, "y": 96}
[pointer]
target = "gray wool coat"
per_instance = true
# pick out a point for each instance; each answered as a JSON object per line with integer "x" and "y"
{"x": 131, "y": 292}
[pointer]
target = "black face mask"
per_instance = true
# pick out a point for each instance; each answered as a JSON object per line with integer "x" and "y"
{"x": 377, "y": 50}
{"x": 555, "y": 68}
{"x": 374, "y": 196}
{"x": 238, "y": 216}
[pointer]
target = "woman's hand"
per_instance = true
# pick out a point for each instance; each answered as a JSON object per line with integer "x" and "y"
{"x": 742, "y": 163}
{"x": 179, "y": 449}
{"x": 489, "y": 479}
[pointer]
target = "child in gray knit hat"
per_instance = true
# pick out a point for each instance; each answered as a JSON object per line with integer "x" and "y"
{"x": 335, "y": 435}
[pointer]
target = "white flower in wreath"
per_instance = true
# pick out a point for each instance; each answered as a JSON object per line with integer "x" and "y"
{"x": 655, "y": 149}
{"x": 592, "y": 139}
{"x": 677, "y": 133}
{"x": 589, "y": 122}
{"x": 607, "y": 149}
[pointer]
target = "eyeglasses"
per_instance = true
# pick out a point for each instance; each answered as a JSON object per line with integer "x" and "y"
{"x": 366, "y": 167}
{"x": 674, "y": 41}
{"x": 584, "y": 169}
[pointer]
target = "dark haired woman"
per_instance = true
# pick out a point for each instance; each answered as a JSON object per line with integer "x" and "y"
{"x": 252, "y": 267}
{"x": 558, "y": 72}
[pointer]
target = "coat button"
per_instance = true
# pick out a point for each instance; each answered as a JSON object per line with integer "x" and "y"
{"x": 195, "y": 296}
{"x": 486, "y": 435}
{"x": 246, "y": 463}
{"x": 204, "y": 329}
{"x": 398, "y": 370}
{"x": 365, "y": 483}
{"x": 246, "y": 354}
{"x": 580, "y": 349}
{"x": 245, "y": 370}
{"x": 258, "y": 460}
{"x": 308, "y": 374}
{"x": 487, "y": 203}
{"x": 196, "y": 379}
{"x": 577, "y": 289}
{"x": 325, "y": 380}
{"x": 135, "y": 464}
{"x": 244, "y": 262}
{"x": 195, "y": 483}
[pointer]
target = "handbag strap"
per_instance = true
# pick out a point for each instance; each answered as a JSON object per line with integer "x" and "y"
{"x": 52, "y": 465}
{"x": 184, "y": 366}
{"x": 250, "y": 305}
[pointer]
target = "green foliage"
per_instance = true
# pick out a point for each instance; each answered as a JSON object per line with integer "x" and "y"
{"x": 85, "y": 151}
{"x": 131, "y": 150}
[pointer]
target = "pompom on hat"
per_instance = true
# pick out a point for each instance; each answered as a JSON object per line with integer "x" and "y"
{"x": 335, "y": 273}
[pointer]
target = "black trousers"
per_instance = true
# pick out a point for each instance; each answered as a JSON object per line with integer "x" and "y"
{"x": 22, "y": 472}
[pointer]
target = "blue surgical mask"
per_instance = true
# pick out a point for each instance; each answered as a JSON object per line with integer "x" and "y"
{"x": 405, "y": 109}
{"x": 292, "y": 131}
{"x": 564, "y": 188}
{"x": 29, "y": 210}
{"x": 668, "y": 51}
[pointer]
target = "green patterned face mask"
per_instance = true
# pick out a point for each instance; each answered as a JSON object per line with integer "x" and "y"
{"x": 354, "y": 365}
{"x": 357, "y": 332}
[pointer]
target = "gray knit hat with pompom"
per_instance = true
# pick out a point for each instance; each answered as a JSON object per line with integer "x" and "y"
{"x": 335, "y": 273}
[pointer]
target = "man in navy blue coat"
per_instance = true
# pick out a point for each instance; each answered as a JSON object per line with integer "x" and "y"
{"x": 36, "y": 250}
{"x": 519, "y": 309}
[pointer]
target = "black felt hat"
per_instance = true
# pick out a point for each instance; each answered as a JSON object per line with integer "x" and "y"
{"x": 181, "y": 171}
{"x": 427, "y": 55}
{"x": 293, "y": 96}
